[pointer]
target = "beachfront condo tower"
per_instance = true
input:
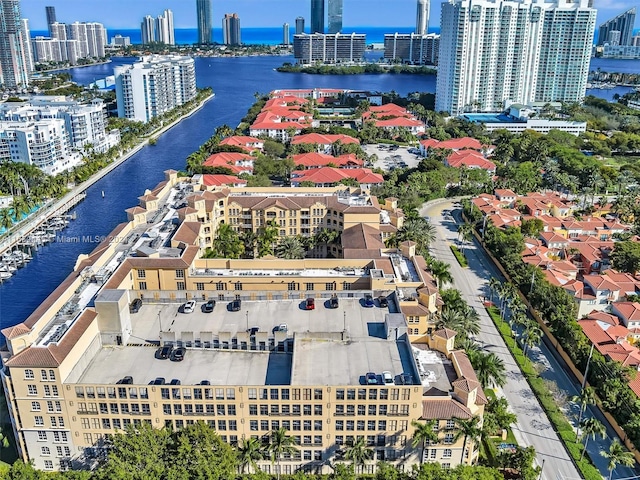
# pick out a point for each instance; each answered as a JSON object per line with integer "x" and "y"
{"x": 422, "y": 17}
{"x": 231, "y": 29}
{"x": 618, "y": 30}
{"x": 203, "y": 8}
{"x": 14, "y": 65}
{"x": 335, "y": 16}
{"x": 317, "y": 16}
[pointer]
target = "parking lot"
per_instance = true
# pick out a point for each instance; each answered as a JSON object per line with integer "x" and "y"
{"x": 391, "y": 157}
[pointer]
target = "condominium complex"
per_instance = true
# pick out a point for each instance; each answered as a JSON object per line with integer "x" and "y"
{"x": 52, "y": 132}
{"x": 413, "y": 48}
{"x": 335, "y": 16}
{"x": 618, "y": 30}
{"x": 205, "y": 19}
{"x": 51, "y": 16}
{"x": 523, "y": 51}
{"x": 70, "y": 42}
{"x": 14, "y": 64}
{"x": 422, "y": 17}
{"x": 231, "y": 29}
{"x": 262, "y": 360}
{"x": 317, "y": 16}
{"x": 327, "y": 48}
{"x": 299, "y": 25}
{"x": 159, "y": 29}
{"x": 154, "y": 85}
{"x": 286, "y": 35}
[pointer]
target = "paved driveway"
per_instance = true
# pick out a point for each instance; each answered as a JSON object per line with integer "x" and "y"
{"x": 388, "y": 159}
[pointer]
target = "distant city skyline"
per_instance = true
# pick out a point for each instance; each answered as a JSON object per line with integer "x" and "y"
{"x": 254, "y": 13}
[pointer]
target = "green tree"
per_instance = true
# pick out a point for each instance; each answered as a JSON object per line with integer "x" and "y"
{"x": 423, "y": 435}
{"x": 358, "y": 453}
{"x": 497, "y": 416}
{"x": 325, "y": 237}
{"x": 441, "y": 272}
{"x": 591, "y": 428}
{"x": 586, "y": 397}
{"x": 617, "y": 455}
{"x": 420, "y": 231}
{"x": 494, "y": 285}
{"x": 626, "y": 257}
{"x": 489, "y": 369}
{"x": 532, "y": 227}
{"x": 227, "y": 243}
{"x": 290, "y": 248}
{"x": 468, "y": 429}
{"x": 249, "y": 453}
{"x": 267, "y": 237}
{"x": 280, "y": 444}
{"x": 6, "y": 218}
{"x": 532, "y": 335}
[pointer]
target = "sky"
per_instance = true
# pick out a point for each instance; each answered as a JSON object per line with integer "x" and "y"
{"x": 253, "y": 13}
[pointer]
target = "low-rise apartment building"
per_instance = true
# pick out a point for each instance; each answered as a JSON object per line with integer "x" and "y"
{"x": 86, "y": 363}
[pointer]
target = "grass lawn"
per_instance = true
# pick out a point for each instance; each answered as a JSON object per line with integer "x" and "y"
{"x": 459, "y": 256}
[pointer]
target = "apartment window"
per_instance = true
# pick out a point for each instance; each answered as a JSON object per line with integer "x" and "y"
{"x": 142, "y": 273}
{"x": 291, "y": 286}
{"x": 220, "y": 286}
{"x": 371, "y": 410}
{"x": 384, "y": 394}
{"x": 296, "y": 425}
{"x": 284, "y": 394}
{"x": 42, "y": 436}
{"x": 346, "y": 286}
{"x": 166, "y": 408}
{"x": 179, "y": 273}
{"x": 317, "y": 425}
{"x": 310, "y": 286}
{"x": 28, "y": 374}
{"x": 361, "y": 409}
{"x": 448, "y": 438}
{"x": 35, "y": 406}
{"x": 447, "y": 453}
{"x": 48, "y": 465}
{"x": 264, "y": 425}
{"x": 54, "y": 390}
{"x": 330, "y": 286}
{"x": 360, "y": 424}
{"x": 350, "y": 425}
{"x": 306, "y": 409}
{"x": 209, "y": 408}
{"x": 32, "y": 390}
{"x": 237, "y": 286}
{"x": 306, "y": 424}
{"x": 351, "y": 409}
{"x": 233, "y": 425}
{"x": 39, "y": 420}
{"x": 382, "y": 424}
{"x": 339, "y": 409}
{"x": 275, "y": 425}
{"x": 340, "y": 394}
{"x": 253, "y": 409}
{"x": 143, "y": 285}
{"x": 451, "y": 424}
{"x": 199, "y": 286}
{"x": 181, "y": 286}
{"x": 253, "y": 425}
{"x": 340, "y": 425}
{"x": 433, "y": 453}
{"x": 43, "y": 375}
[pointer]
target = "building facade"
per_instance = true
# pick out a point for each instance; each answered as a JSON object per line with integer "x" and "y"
{"x": 205, "y": 19}
{"x": 412, "y": 48}
{"x": 623, "y": 26}
{"x": 154, "y": 86}
{"x": 51, "y": 17}
{"x": 14, "y": 65}
{"x": 308, "y": 376}
{"x": 231, "y": 29}
{"x": 299, "y": 25}
{"x": 317, "y": 16}
{"x": 327, "y": 48}
{"x": 148, "y": 30}
{"x": 159, "y": 29}
{"x": 286, "y": 35}
{"x": 335, "y": 16}
{"x": 422, "y": 17}
{"x": 497, "y": 50}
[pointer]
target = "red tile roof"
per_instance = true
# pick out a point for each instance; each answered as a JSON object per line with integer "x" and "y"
{"x": 453, "y": 144}
{"x": 326, "y": 175}
{"x": 230, "y": 160}
{"x": 470, "y": 159}
{"x": 317, "y": 160}
{"x": 220, "y": 179}
{"x": 320, "y": 139}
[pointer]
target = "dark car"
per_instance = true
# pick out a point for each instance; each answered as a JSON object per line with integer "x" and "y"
{"x": 310, "y": 304}
{"x": 205, "y": 382}
{"x": 368, "y": 301}
{"x": 208, "y": 307}
{"x": 371, "y": 378}
{"x": 384, "y": 303}
{"x": 333, "y": 302}
{"x": 164, "y": 352}
{"x": 175, "y": 381}
{"x": 253, "y": 330}
{"x": 178, "y": 354}
{"x": 159, "y": 381}
{"x": 235, "y": 306}
{"x": 125, "y": 381}
{"x": 134, "y": 307}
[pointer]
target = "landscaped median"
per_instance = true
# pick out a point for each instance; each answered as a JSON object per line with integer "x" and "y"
{"x": 560, "y": 423}
{"x": 462, "y": 260}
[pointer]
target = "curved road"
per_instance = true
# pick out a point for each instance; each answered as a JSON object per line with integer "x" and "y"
{"x": 533, "y": 427}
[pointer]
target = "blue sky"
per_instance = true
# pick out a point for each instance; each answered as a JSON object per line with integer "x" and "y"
{"x": 253, "y": 13}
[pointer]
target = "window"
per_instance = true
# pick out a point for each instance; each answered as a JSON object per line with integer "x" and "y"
{"x": 361, "y": 409}
{"x": 32, "y": 390}
{"x": 39, "y": 420}
{"x": 340, "y": 425}
{"x": 253, "y": 409}
{"x": 181, "y": 286}
{"x": 42, "y": 436}
{"x": 48, "y": 465}
{"x": 360, "y": 424}
{"x": 451, "y": 424}
{"x": 292, "y": 286}
{"x": 373, "y": 394}
{"x": 43, "y": 375}
{"x": 330, "y": 286}
{"x": 28, "y": 374}
{"x": 309, "y": 286}
{"x": 447, "y": 453}
{"x": 448, "y": 438}
{"x": 179, "y": 273}
{"x": 317, "y": 425}
{"x": 199, "y": 286}
{"x": 142, "y": 285}
{"x": 237, "y": 285}
{"x": 35, "y": 406}
{"x": 371, "y": 425}
{"x": 382, "y": 424}
{"x": 340, "y": 394}
{"x": 371, "y": 410}
{"x": 306, "y": 424}
{"x": 141, "y": 273}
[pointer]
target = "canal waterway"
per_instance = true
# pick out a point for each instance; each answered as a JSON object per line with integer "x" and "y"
{"x": 234, "y": 81}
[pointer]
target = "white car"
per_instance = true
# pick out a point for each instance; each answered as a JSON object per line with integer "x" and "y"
{"x": 387, "y": 378}
{"x": 189, "y": 307}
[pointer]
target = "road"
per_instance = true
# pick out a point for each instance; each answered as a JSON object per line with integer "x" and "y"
{"x": 532, "y": 427}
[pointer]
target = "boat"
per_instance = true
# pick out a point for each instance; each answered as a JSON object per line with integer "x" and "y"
{"x": 5, "y": 275}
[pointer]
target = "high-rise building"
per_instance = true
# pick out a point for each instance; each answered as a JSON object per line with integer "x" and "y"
{"x": 148, "y": 30}
{"x": 317, "y": 16}
{"x": 497, "y": 50}
{"x": 154, "y": 86}
{"x": 231, "y": 29}
{"x": 299, "y": 25}
{"x": 14, "y": 66}
{"x": 335, "y": 16}
{"x": 51, "y": 16}
{"x": 26, "y": 42}
{"x": 286, "y": 37}
{"x": 422, "y": 17}
{"x": 412, "y": 48}
{"x": 58, "y": 31}
{"x": 203, "y": 8}
{"x": 120, "y": 41}
{"x": 623, "y": 23}
{"x": 329, "y": 48}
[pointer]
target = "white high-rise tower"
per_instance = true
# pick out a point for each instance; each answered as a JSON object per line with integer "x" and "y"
{"x": 422, "y": 17}
{"x": 14, "y": 66}
{"x": 523, "y": 51}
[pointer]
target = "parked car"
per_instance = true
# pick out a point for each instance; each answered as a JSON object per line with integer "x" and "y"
{"x": 134, "y": 307}
{"x": 208, "y": 307}
{"x": 205, "y": 382}
{"x": 310, "y": 304}
{"x": 125, "y": 381}
{"x": 253, "y": 330}
{"x": 178, "y": 354}
{"x": 333, "y": 302}
{"x": 368, "y": 300}
{"x": 158, "y": 381}
{"x": 235, "y": 306}
{"x": 189, "y": 307}
{"x": 163, "y": 353}
{"x": 387, "y": 378}
{"x": 175, "y": 381}
{"x": 281, "y": 328}
{"x": 371, "y": 378}
{"x": 384, "y": 303}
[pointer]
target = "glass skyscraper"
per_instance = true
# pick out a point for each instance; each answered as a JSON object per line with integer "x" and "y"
{"x": 317, "y": 16}
{"x": 618, "y": 30}
{"x": 204, "y": 21}
{"x": 335, "y": 16}
{"x": 14, "y": 65}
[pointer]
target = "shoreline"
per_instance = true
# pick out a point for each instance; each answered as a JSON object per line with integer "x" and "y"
{"x": 72, "y": 66}
{"x": 40, "y": 215}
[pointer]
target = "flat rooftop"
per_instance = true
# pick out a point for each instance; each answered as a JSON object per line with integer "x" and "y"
{"x": 323, "y": 352}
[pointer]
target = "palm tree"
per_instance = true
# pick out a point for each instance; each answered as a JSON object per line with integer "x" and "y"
{"x": 494, "y": 285}
{"x": 418, "y": 230}
{"x": 326, "y": 237}
{"x": 6, "y": 218}
{"x": 249, "y": 452}
{"x": 290, "y": 248}
{"x": 590, "y": 428}
{"x": 469, "y": 429}
{"x": 423, "y": 435}
{"x": 586, "y": 397}
{"x": 249, "y": 239}
{"x": 267, "y": 236}
{"x": 358, "y": 453}
{"x": 506, "y": 293}
{"x": 441, "y": 272}
{"x": 489, "y": 368}
{"x": 465, "y": 232}
{"x": 532, "y": 335}
{"x": 617, "y": 455}
{"x": 449, "y": 318}
{"x": 280, "y": 443}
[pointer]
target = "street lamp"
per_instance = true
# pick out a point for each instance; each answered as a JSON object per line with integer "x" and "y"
{"x": 586, "y": 370}
{"x": 247, "y": 315}
{"x": 160, "y": 325}
{"x": 541, "y": 469}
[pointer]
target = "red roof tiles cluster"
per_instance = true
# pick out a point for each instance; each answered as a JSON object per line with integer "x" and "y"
{"x": 464, "y": 143}
{"x": 470, "y": 159}
{"x": 321, "y": 139}
{"x": 219, "y": 180}
{"x": 330, "y": 176}
{"x": 248, "y": 144}
{"x": 318, "y": 160}
{"x": 236, "y": 162}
